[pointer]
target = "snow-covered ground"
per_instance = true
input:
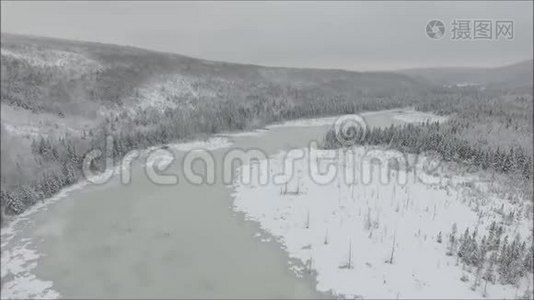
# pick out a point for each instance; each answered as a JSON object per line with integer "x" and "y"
{"x": 305, "y": 122}
{"x": 367, "y": 236}
{"x": 24, "y": 130}
{"x": 406, "y": 115}
{"x": 20, "y": 260}
{"x": 256, "y": 132}
{"x": 70, "y": 63}
{"x": 175, "y": 91}
{"x": 412, "y": 116}
{"x": 167, "y": 93}
{"x": 209, "y": 144}
{"x": 23, "y": 123}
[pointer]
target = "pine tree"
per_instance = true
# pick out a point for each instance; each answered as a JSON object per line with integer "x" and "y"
{"x": 475, "y": 255}
{"x": 528, "y": 262}
{"x": 452, "y": 240}
{"x": 504, "y": 261}
{"x": 492, "y": 236}
{"x": 483, "y": 249}
{"x": 490, "y": 268}
{"x": 465, "y": 245}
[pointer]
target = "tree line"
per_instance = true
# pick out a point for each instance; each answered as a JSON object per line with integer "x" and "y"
{"x": 58, "y": 161}
{"x": 420, "y": 138}
{"x": 492, "y": 258}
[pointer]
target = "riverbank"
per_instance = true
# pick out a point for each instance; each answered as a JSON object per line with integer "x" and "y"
{"x": 186, "y": 227}
{"x": 185, "y": 235}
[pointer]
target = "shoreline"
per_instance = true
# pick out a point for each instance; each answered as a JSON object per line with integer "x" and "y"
{"x": 320, "y": 231}
{"x": 10, "y": 232}
{"x": 324, "y": 120}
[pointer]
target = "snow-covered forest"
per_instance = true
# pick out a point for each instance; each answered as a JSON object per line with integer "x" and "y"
{"x": 145, "y": 98}
{"x": 267, "y": 150}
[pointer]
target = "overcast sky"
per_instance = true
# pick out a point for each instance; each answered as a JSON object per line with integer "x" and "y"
{"x": 345, "y": 35}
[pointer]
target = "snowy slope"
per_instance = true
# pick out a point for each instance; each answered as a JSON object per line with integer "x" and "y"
{"x": 69, "y": 63}
{"x": 346, "y": 229}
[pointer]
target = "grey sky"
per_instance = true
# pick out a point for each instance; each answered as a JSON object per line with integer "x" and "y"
{"x": 345, "y": 35}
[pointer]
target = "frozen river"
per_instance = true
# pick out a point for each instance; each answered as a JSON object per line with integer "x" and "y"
{"x": 144, "y": 240}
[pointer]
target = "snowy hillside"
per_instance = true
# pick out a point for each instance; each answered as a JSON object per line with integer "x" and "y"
{"x": 70, "y": 63}
{"x": 367, "y": 235}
